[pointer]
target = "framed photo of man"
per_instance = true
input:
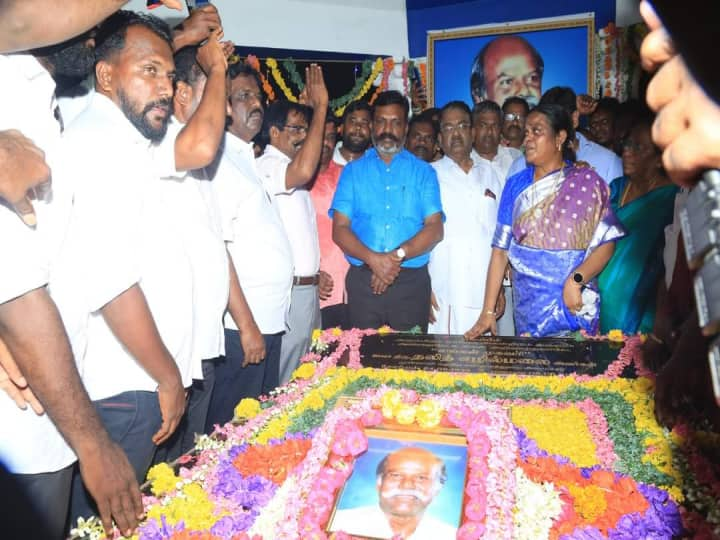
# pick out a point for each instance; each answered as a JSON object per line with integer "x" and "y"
{"x": 407, "y": 483}
{"x": 524, "y": 59}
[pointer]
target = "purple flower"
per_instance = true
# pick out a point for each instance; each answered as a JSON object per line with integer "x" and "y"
{"x": 152, "y": 530}
{"x": 586, "y": 533}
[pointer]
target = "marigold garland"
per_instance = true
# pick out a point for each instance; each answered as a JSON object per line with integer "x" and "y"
{"x": 254, "y": 63}
{"x": 277, "y": 76}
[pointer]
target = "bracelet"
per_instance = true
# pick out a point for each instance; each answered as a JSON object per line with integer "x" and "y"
{"x": 490, "y": 312}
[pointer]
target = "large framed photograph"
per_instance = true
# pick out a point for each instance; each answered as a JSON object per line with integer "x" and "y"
{"x": 523, "y": 59}
{"x": 408, "y": 482}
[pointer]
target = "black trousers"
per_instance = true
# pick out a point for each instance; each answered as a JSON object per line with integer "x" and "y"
{"x": 404, "y": 305}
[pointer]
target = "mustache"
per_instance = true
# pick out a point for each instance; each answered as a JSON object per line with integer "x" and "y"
{"x": 399, "y": 492}
{"x": 388, "y": 136}
{"x": 165, "y": 103}
{"x": 257, "y": 110}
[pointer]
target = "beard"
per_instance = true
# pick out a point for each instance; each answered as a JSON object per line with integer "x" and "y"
{"x": 72, "y": 59}
{"x": 387, "y": 143}
{"x": 355, "y": 144}
{"x": 140, "y": 119}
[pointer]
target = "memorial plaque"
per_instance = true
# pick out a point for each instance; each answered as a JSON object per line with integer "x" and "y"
{"x": 502, "y": 355}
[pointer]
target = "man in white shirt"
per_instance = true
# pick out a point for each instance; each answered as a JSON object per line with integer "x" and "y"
{"x": 189, "y": 203}
{"x": 128, "y": 276}
{"x": 259, "y": 249}
{"x": 288, "y": 164}
{"x": 470, "y": 193}
{"x": 487, "y": 125}
{"x": 37, "y": 448}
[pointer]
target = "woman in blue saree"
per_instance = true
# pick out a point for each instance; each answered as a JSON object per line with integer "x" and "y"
{"x": 557, "y": 230}
{"x": 643, "y": 200}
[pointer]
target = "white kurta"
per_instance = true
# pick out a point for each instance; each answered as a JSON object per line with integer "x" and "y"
{"x": 458, "y": 265}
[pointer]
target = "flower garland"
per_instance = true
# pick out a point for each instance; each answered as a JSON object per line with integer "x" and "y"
{"x": 254, "y": 63}
{"x": 277, "y": 76}
{"x": 295, "y": 77}
{"x": 388, "y": 66}
{"x": 362, "y": 86}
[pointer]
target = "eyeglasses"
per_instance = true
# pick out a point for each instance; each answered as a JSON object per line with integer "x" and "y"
{"x": 295, "y": 129}
{"x": 511, "y": 117}
{"x": 247, "y": 96}
{"x": 449, "y": 129}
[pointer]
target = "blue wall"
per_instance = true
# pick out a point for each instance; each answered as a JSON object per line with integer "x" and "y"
{"x": 422, "y": 18}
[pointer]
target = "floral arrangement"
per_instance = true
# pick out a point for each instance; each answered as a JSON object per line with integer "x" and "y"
{"x": 562, "y": 457}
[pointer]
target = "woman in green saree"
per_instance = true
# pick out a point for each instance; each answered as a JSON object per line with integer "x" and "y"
{"x": 643, "y": 201}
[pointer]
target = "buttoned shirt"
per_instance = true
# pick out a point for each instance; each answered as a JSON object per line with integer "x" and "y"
{"x": 296, "y": 211}
{"x": 189, "y": 203}
{"x": 120, "y": 235}
{"x": 332, "y": 259}
{"x": 605, "y": 162}
{"x": 387, "y": 204}
{"x": 255, "y": 237}
{"x": 459, "y": 263}
{"x": 30, "y": 443}
{"x": 501, "y": 163}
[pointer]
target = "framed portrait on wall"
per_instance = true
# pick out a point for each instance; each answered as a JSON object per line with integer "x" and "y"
{"x": 413, "y": 476}
{"x": 524, "y": 58}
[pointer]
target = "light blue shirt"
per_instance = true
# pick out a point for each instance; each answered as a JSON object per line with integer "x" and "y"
{"x": 605, "y": 162}
{"x": 387, "y": 204}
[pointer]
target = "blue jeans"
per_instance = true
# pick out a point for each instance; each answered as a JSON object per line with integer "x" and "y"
{"x": 131, "y": 419}
{"x": 193, "y": 421}
{"x": 234, "y": 382}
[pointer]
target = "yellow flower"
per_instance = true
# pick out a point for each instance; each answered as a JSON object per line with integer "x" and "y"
{"x": 384, "y": 330}
{"x": 405, "y": 414}
{"x": 336, "y": 332}
{"x": 247, "y": 408}
{"x": 429, "y": 413}
{"x": 305, "y": 371}
{"x": 162, "y": 478}
{"x": 615, "y": 335}
{"x": 316, "y": 334}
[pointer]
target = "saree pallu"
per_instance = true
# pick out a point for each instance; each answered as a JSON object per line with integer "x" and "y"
{"x": 557, "y": 222}
{"x": 628, "y": 284}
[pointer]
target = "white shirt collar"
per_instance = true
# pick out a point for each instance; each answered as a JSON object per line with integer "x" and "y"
{"x": 270, "y": 150}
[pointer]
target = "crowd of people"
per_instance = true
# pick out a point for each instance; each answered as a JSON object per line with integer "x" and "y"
{"x": 167, "y": 272}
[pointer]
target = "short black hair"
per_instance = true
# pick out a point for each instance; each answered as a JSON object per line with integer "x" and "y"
{"x": 423, "y": 118}
{"x": 457, "y": 104}
{"x": 358, "y": 105}
{"x": 276, "y": 116}
{"x": 487, "y": 106}
{"x": 608, "y": 104}
{"x": 564, "y": 96}
{"x": 187, "y": 69}
{"x": 559, "y": 119}
{"x": 241, "y": 69}
{"x": 391, "y": 97}
{"x": 110, "y": 38}
{"x": 516, "y": 100}
{"x": 478, "y": 84}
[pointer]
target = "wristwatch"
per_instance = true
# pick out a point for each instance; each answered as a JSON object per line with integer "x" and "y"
{"x": 400, "y": 252}
{"x": 578, "y": 278}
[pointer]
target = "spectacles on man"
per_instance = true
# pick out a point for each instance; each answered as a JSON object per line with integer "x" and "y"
{"x": 449, "y": 129}
{"x": 296, "y": 129}
{"x": 512, "y": 117}
{"x": 247, "y": 96}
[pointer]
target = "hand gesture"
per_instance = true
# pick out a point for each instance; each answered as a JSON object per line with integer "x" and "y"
{"x": 14, "y": 384}
{"x": 253, "y": 344}
{"x": 586, "y": 104}
{"x": 22, "y": 169}
{"x": 325, "y": 286}
{"x": 485, "y": 323}
{"x": 572, "y": 295}
{"x": 212, "y": 54}
{"x": 200, "y": 24}
{"x": 110, "y": 479}
{"x": 385, "y": 268}
{"x": 171, "y": 396}
{"x": 317, "y": 94}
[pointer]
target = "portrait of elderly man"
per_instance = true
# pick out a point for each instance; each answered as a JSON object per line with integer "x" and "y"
{"x": 407, "y": 480}
{"x": 507, "y": 66}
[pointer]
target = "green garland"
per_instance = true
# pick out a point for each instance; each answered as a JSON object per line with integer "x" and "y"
{"x": 295, "y": 77}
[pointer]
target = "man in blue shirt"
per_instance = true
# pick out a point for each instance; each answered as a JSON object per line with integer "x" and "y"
{"x": 387, "y": 217}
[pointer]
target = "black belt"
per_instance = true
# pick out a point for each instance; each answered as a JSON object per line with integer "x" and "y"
{"x": 306, "y": 280}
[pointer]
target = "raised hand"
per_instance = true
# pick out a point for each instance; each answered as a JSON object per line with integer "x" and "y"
{"x": 212, "y": 54}
{"x": 317, "y": 94}
{"x": 197, "y": 27}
